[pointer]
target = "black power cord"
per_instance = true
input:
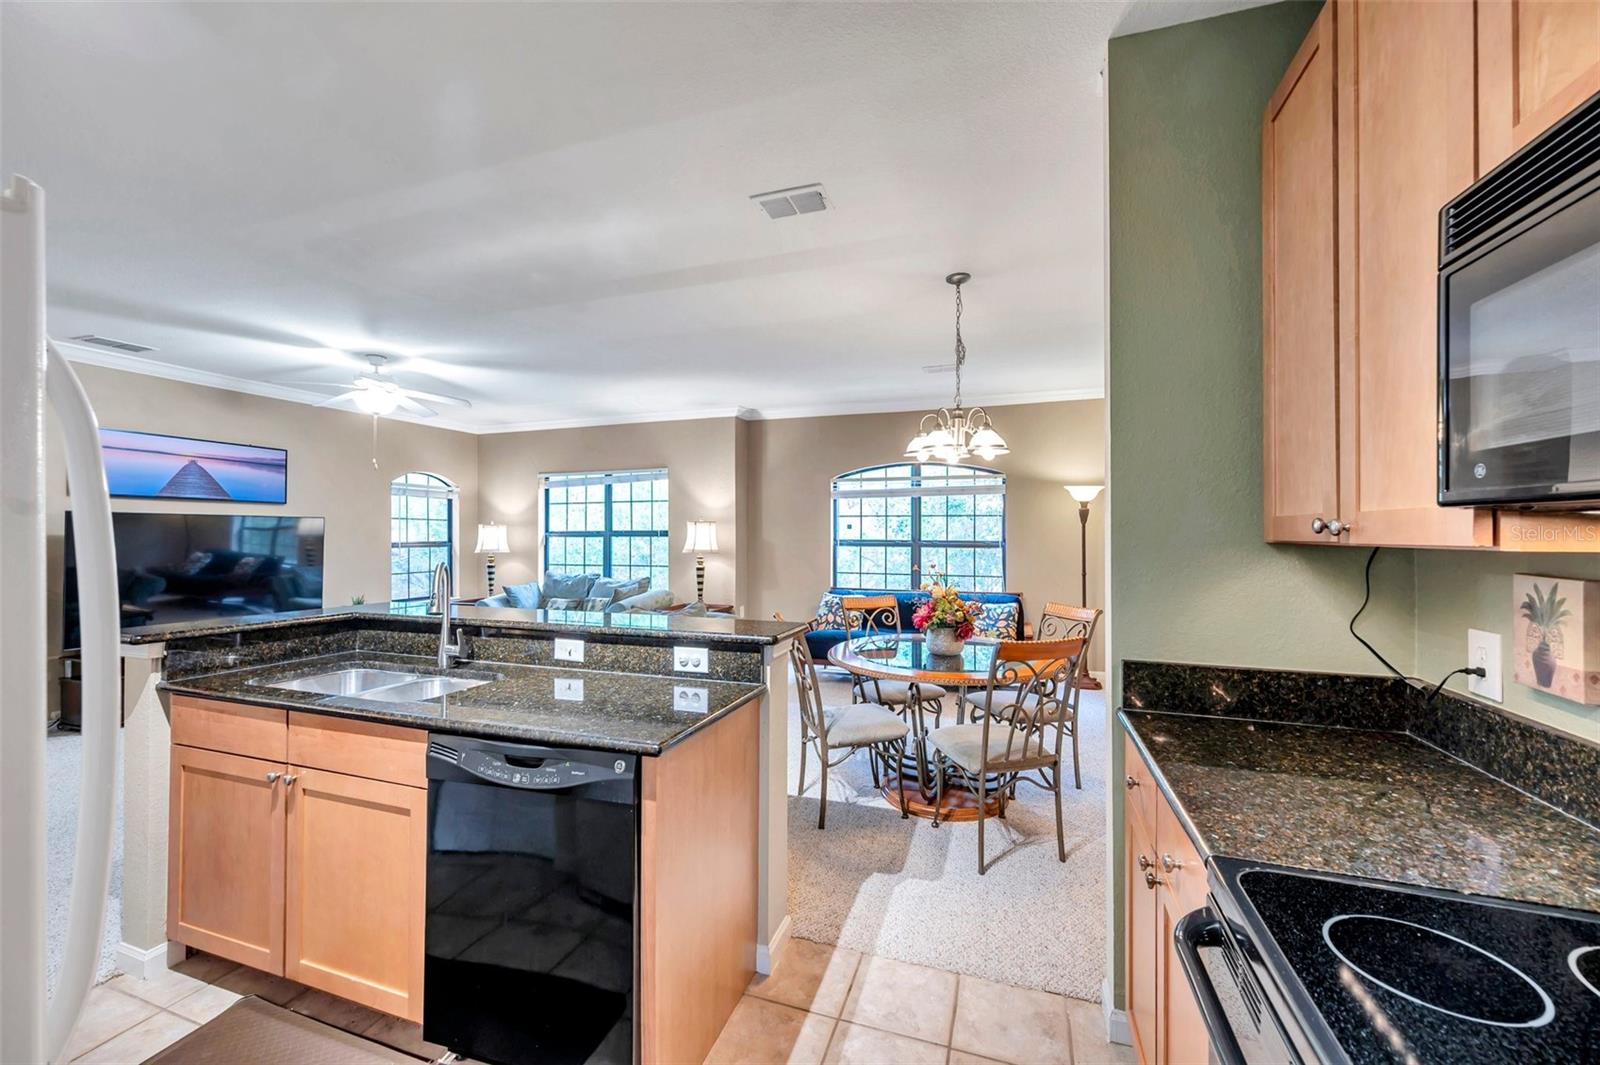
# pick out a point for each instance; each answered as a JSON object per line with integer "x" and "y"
{"x": 1470, "y": 671}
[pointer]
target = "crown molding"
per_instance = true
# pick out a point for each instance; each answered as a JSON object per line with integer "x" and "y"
{"x": 91, "y": 356}
{"x": 207, "y": 379}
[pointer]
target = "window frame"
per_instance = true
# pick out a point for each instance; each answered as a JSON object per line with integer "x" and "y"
{"x": 436, "y": 487}
{"x": 915, "y": 494}
{"x": 608, "y": 479}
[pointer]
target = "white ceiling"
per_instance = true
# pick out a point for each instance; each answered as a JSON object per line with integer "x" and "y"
{"x": 543, "y": 207}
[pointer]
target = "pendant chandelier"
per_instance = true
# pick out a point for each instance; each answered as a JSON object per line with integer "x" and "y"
{"x": 952, "y": 434}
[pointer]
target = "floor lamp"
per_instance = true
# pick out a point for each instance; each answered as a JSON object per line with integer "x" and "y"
{"x": 1085, "y": 494}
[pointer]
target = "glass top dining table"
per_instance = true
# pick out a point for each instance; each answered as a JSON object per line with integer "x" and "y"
{"x": 905, "y": 656}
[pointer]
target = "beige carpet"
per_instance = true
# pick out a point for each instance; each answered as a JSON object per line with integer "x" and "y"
{"x": 909, "y": 891}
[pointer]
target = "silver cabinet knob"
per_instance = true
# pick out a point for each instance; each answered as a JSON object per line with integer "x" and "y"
{"x": 1333, "y": 528}
{"x": 1169, "y": 863}
{"x": 1130, "y": 782}
{"x": 1151, "y": 880}
{"x": 1145, "y": 863}
{"x": 272, "y": 778}
{"x": 289, "y": 779}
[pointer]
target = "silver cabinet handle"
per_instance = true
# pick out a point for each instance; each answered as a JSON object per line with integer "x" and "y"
{"x": 272, "y": 778}
{"x": 1169, "y": 863}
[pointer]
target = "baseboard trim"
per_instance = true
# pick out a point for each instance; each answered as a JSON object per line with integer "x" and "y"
{"x": 147, "y": 964}
{"x": 767, "y": 953}
{"x": 1117, "y": 1030}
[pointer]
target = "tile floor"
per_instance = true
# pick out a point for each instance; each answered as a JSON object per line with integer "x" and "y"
{"x": 830, "y": 1004}
{"x": 824, "y": 1004}
{"x": 126, "y": 1020}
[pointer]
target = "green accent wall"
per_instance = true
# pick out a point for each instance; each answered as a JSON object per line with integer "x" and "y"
{"x": 1191, "y": 578}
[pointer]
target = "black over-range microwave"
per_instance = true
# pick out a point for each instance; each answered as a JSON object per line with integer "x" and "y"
{"x": 1519, "y": 327}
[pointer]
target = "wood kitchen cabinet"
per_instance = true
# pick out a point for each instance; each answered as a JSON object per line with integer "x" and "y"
{"x": 1165, "y": 880}
{"x": 1537, "y": 60}
{"x": 296, "y": 864}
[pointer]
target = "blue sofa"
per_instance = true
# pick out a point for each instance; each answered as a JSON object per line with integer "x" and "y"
{"x": 820, "y": 641}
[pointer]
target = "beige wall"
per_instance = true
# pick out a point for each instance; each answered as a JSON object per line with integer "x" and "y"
{"x": 793, "y": 460}
{"x": 701, "y": 459}
{"x": 330, "y": 469}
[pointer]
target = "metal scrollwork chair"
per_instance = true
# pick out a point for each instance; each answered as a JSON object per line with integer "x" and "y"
{"x": 877, "y": 616}
{"x": 858, "y": 726}
{"x": 1021, "y": 721}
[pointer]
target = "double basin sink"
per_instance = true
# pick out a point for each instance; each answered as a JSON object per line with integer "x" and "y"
{"x": 380, "y": 685}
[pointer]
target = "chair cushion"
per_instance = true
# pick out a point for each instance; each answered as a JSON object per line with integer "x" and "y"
{"x": 524, "y": 596}
{"x": 898, "y": 692}
{"x": 962, "y": 744}
{"x": 862, "y": 723}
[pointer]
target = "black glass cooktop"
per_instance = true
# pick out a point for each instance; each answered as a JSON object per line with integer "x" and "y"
{"x": 1402, "y": 974}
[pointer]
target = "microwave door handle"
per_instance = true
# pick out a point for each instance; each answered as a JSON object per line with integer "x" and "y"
{"x": 1202, "y": 928}
{"x": 97, "y": 594}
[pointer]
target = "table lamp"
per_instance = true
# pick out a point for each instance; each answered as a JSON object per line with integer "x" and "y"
{"x": 702, "y": 538}
{"x": 491, "y": 539}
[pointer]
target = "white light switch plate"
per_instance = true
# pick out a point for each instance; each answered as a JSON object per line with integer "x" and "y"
{"x": 569, "y": 689}
{"x": 691, "y": 659}
{"x": 689, "y": 700}
{"x": 569, "y": 650}
{"x": 1483, "y": 649}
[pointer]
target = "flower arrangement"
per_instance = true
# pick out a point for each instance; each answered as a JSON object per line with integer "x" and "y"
{"x": 945, "y": 609}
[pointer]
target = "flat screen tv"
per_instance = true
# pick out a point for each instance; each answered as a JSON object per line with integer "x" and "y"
{"x": 186, "y": 567}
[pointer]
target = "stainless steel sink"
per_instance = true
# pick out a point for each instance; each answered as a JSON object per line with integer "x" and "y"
{"x": 423, "y": 689}
{"x": 346, "y": 681}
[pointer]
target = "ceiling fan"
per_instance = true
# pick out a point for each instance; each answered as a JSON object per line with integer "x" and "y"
{"x": 374, "y": 392}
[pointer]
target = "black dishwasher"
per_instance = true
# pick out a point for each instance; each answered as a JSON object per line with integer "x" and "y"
{"x": 532, "y": 891}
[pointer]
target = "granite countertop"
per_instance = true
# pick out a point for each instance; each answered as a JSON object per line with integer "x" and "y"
{"x": 640, "y": 625}
{"x": 1369, "y": 803}
{"x": 626, "y": 712}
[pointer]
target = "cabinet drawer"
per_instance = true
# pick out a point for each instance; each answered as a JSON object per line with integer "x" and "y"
{"x": 368, "y": 749}
{"x": 233, "y": 728}
{"x": 1181, "y": 867}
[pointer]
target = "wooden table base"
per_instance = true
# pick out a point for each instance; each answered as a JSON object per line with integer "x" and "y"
{"x": 959, "y": 803}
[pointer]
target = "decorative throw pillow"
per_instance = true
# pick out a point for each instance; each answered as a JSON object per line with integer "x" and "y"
{"x": 195, "y": 563}
{"x": 523, "y": 596}
{"x": 595, "y": 602}
{"x": 693, "y": 610}
{"x": 499, "y": 600}
{"x": 655, "y": 599}
{"x": 997, "y": 621}
{"x": 830, "y": 612}
{"x": 245, "y": 567}
{"x": 562, "y": 604}
{"x": 565, "y": 586}
{"x": 614, "y": 589}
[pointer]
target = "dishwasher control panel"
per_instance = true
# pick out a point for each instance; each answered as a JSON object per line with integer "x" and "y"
{"x": 492, "y": 766}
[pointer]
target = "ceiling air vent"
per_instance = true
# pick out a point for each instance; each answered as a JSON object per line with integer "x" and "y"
{"x": 115, "y": 345}
{"x": 802, "y": 199}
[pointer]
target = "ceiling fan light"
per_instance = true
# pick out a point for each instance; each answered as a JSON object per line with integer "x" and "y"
{"x": 377, "y": 401}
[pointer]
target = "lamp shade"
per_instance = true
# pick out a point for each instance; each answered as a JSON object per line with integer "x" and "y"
{"x": 701, "y": 538}
{"x": 1085, "y": 493}
{"x": 491, "y": 540}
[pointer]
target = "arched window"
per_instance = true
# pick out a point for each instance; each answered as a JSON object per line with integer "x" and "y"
{"x": 893, "y": 525}
{"x": 422, "y": 523}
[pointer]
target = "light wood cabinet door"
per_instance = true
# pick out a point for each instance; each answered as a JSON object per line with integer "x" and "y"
{"x": 1406, "y": 79}
{"x": 356, "y": 875}
{"x": 1143, "y": 948}
{"x": 1537, "y": 60}
{"x": 1299, "y": 232}
{"x": 225, "y": 856}
{"x": 1183, "y": 1037}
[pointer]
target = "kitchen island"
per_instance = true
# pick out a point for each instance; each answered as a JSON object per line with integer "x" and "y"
{"x": 333, "y": 712}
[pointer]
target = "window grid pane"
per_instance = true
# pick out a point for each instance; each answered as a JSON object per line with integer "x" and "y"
{"x": 614, "y": 528}
{"x": 421, "y": 534}
{"x": 896, "y": 539}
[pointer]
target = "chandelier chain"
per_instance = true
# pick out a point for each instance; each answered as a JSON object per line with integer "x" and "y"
{"x": 961, "y": 348}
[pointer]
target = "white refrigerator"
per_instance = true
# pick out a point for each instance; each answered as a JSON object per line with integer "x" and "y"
{"x": 35, "y": 1021}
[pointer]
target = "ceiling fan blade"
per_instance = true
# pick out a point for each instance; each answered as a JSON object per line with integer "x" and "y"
{"x": 340, "y": 398}
{"x": 421, "y": 410}
{"x": 434, "y": 397}
{"x": 320, "y": 386}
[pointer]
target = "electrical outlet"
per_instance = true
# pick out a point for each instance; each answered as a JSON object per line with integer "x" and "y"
{"x": 691, "y": 659}
{"x": 690, "y": 700}
{"x": 569, "y": 650}
{"x": 569, "y": 689}
{"x": 1483, "y": 649}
